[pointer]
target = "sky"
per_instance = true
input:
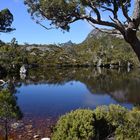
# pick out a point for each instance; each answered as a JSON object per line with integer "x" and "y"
{"x": 27, "y": 31}
{"x": 30, "y": 32}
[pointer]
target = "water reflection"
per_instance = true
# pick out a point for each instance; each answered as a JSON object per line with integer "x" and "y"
{"x": 60, "y": 90}
{"x": 121, "y": 85}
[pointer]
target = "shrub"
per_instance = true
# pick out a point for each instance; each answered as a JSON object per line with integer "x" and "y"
{"x": 104, "y": 122}
{"x": 113, "y": 114}
{"x": 107, "y": 119}
{"x": 131, "y": 128}
{"x": 75, "y": 125}
{"x": 103, "y": 127}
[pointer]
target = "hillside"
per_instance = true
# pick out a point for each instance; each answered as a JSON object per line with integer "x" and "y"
{"x": 98, "y": 49}
{"x": 103, "y": 49}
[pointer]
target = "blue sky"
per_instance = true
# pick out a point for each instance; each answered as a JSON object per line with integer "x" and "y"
{"x": 28, "y": 31}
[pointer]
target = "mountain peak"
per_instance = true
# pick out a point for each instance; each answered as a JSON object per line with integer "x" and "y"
{"x": 67, "y": 44}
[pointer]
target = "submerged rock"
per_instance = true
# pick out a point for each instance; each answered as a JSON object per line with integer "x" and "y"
{"x": 17, "y": 125}
{"x": 36, "y": 136}
{"x": 45, "y": 139}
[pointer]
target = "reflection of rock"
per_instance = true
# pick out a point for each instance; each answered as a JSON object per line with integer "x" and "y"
{"x": 3, "y": 83}
{"x": 119, "y": 95}
{"x": 117, "y": 83}
{"x": 99, "y": 70}
{"x": 99, "y": 63}
{"x": 22, "y": 76}
{"x": 23, "y": 70}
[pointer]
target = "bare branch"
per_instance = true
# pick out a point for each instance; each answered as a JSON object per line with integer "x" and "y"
{"x": 125, "y": 11}
{"x": 107, "y": 9}
{"x": 118, "y": 22}
{"x": 111, "y": 32}
{"x": 95, "y": 10}
{"x": 44, "y": 26}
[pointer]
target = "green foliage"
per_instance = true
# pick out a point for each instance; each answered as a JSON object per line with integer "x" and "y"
{"x": 8, "y": 107}
{"x": 12, "y": 57}
{"x": 108, "y": 118}
{"x": 59, "y": 12}
{"x": 114, "y": 114}
{"x": 62, "y": 13}
{"x": 8, "y": 110}
{"x": 104, "y": 122}
{"x": 75, "y": 125}
{"x": 14, "y": 42}
{"x": 131, "y": 128}
{"x": 111, "y": 50}
{"x": 6, "y": 19}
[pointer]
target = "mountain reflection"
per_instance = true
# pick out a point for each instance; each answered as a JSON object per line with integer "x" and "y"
{"x": 122, "y": 86}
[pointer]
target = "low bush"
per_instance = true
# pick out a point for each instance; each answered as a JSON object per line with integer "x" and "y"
{"x": 113, "y": 114}
{"x": 76, "y": 125}
{"x": 130, "y": 130}
{"x": 104, "y": 122}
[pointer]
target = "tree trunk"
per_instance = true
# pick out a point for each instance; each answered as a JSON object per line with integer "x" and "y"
{"x": 136, "y": 47}
{"x": 130, "y": 37}
{"x": 136, "y": 13}
{"x": 6, "y": 130}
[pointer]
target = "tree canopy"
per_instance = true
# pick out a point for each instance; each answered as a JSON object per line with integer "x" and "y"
{"x": 6, "y": 19}
{"x": 62, "y": 13}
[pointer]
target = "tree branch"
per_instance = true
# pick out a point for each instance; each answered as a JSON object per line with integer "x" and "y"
{"x": 125, "y": 11}
{"x": 136, "y": 14}
{"x": 113, "y": 31}
{"x": 44, "y": 26}
{"x": 118, "y": 22}
{"x": 95, "y": 10}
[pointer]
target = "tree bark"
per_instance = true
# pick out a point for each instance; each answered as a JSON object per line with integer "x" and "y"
{"x": 136, "y": 47}
{"x": 136, "y": 14}
{"x": 6, "y": 130}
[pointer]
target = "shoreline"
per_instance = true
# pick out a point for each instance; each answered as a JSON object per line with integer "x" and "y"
{"x": 29, "y": 129}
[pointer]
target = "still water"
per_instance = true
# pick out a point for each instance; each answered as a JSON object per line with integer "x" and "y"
{"x": 51, "y": 92}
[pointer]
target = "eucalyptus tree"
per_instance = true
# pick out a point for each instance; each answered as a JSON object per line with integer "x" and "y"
{"x": 123, "y": 15}
{"x": 6, "y": 19}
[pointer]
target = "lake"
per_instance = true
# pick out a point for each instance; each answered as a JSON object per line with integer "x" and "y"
{"x": 51, "y": 92}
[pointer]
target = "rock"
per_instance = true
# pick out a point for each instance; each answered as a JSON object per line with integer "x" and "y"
{"x": 45, "y": 139}
{"x": 22, "y": 76}
{"x": 28, "y": 127}
{"x": 23, "y": 70}
{"x": 36, "y": 136}
{"x": 99, "y": 63}
{"x": 16, "y": 125}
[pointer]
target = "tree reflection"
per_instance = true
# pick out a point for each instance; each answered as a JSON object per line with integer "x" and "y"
{"x": 8, "y": 110}
{"x": 120, "y": 84}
